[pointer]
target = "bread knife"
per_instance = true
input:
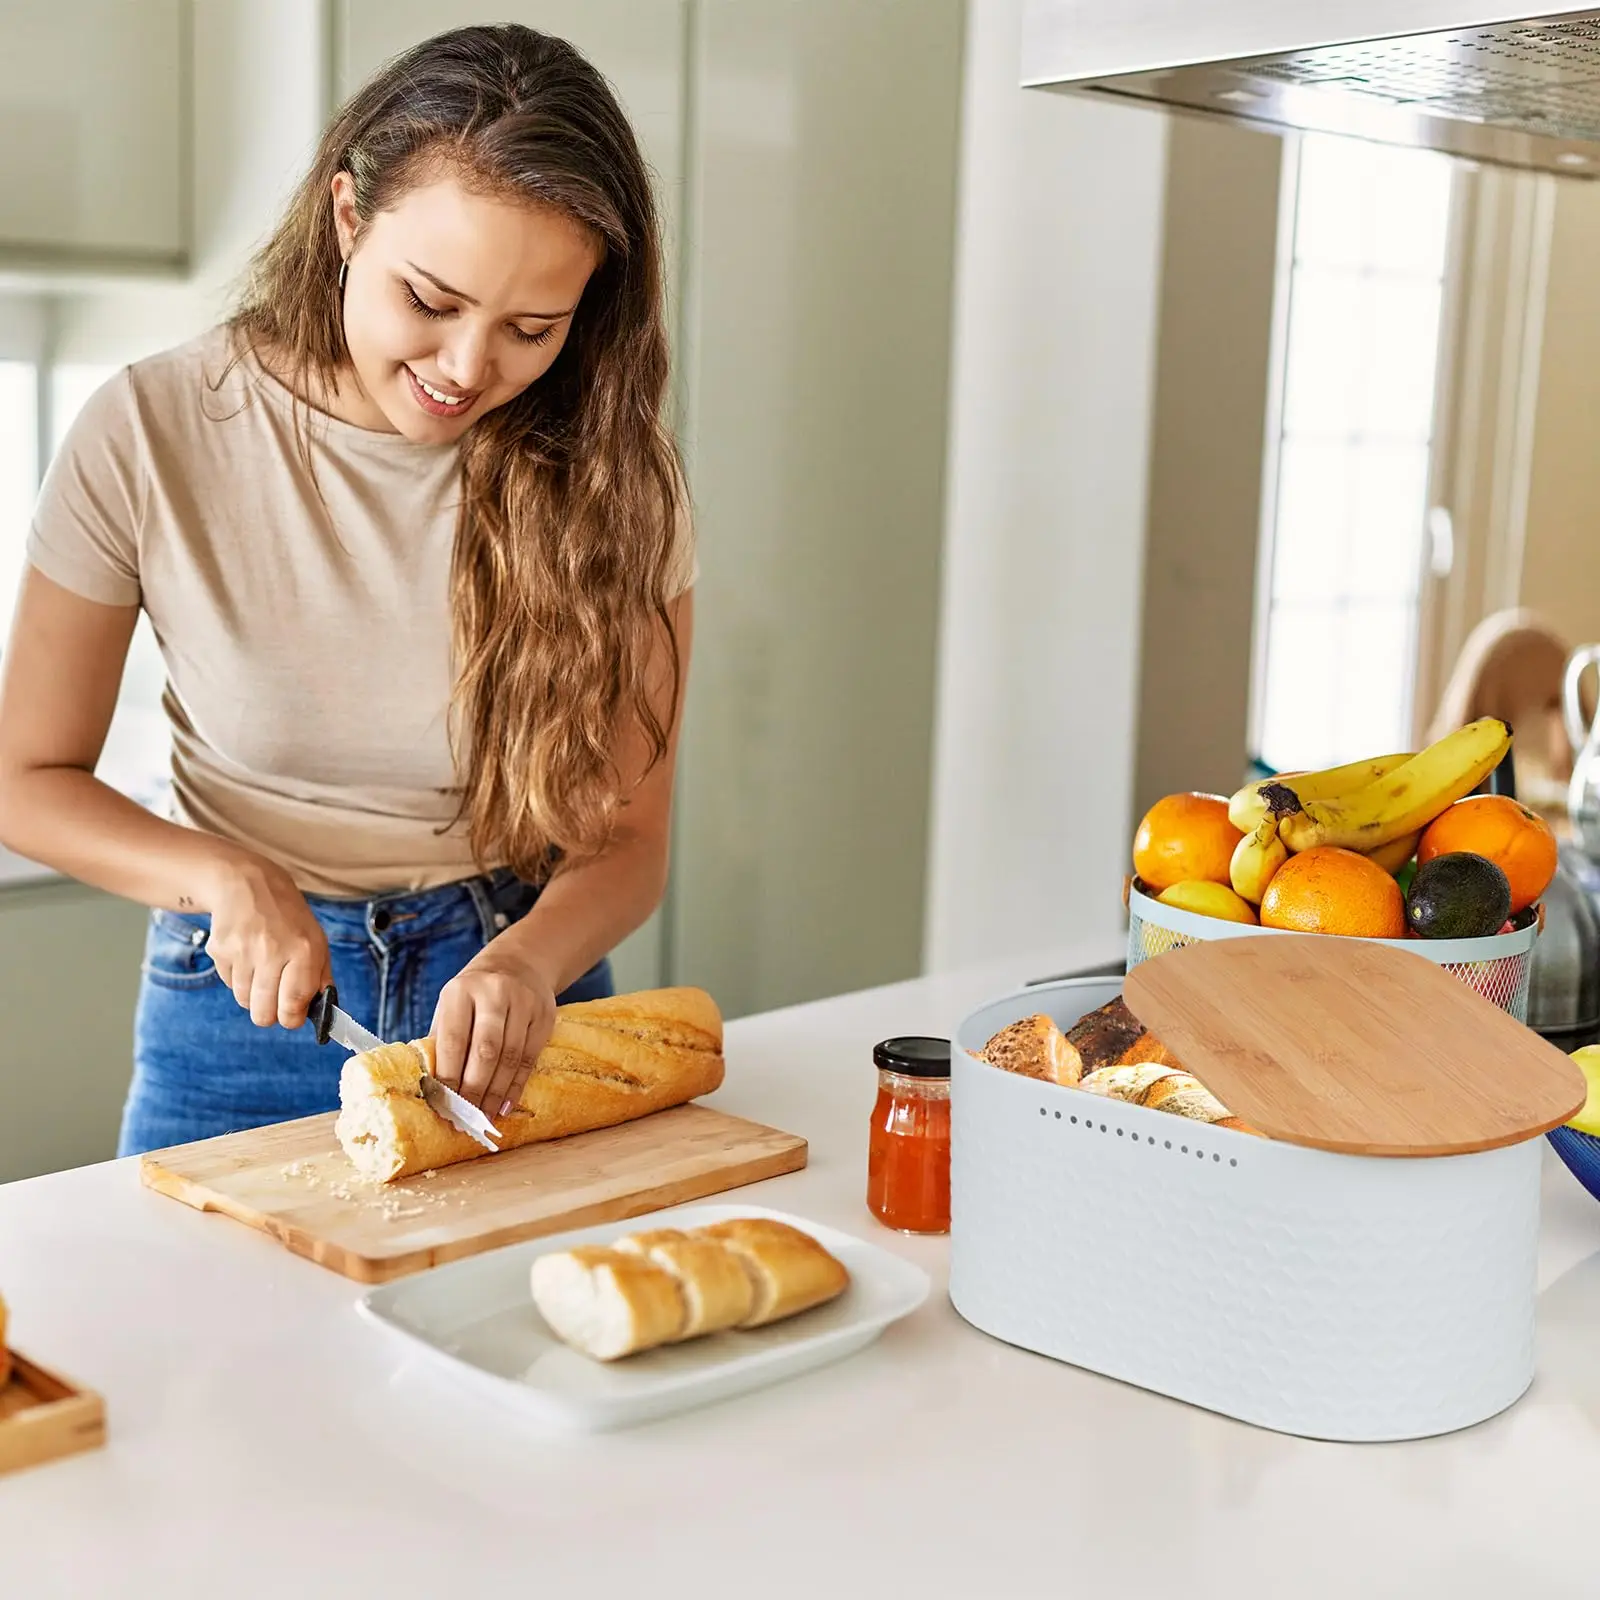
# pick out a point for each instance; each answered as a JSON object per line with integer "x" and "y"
{"x": 329, "y": 1022}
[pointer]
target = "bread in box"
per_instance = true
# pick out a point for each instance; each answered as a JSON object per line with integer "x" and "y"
{"x": 1109, "y": 1052}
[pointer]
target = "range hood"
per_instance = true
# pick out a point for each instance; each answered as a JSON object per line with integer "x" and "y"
{"x": 1487, "y": 83}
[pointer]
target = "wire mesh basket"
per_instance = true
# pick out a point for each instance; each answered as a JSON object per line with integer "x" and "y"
{"x": 1498, "y": 967}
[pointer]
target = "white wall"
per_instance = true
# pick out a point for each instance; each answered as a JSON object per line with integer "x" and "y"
{"x": 1058, "y": 254}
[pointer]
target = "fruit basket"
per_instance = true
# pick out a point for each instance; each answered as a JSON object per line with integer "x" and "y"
{"x": 1389, "y": 846}
{"x": 1498, "y": 967}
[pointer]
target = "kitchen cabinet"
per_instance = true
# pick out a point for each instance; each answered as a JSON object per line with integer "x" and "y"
{"x": 69, "y": 977}
{"x": 817, "y": 342}
{"x": 806, "y": 159}
{"x": 94, "y": 117}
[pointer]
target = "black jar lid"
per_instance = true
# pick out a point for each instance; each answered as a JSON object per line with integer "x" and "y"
{"x": 915, "y": 1056}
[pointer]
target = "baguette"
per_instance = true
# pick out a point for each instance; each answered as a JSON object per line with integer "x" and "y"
{"x": 608, "y": 1061}
{"x": 716, "y": 1288}
{"x": 1035, "y": 1048}
{"x": 5, "y": 1354}
{"x": 788, "y": 1270}
{"x": 607, "y": 1303}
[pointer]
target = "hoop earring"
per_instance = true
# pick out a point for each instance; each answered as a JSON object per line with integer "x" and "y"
{"x": 344, "y": 269}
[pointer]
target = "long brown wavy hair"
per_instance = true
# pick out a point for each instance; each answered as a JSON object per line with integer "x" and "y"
{"x": 565, "y": 544}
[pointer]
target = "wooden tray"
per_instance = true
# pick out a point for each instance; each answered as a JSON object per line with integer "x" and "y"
{"x": 292, "y": 1181}
{"x": 1349, "y": 1045}
{"x": 43, "y": 1417}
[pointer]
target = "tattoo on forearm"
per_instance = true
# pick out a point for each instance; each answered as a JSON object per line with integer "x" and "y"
{"x": 185, "y": 903}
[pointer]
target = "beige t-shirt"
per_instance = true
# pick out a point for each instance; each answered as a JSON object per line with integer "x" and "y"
{"x": 306, "y": 637}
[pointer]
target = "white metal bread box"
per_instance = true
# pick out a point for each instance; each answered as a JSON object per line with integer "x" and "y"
{"x": 1315, "y": 1292}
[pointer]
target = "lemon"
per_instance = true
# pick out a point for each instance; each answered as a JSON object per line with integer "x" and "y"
{"x": 1588, "y": 1120}
{"x": 1208, "y": 900}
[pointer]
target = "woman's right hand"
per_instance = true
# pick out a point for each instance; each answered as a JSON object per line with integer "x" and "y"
{"x": 264, "y": 941}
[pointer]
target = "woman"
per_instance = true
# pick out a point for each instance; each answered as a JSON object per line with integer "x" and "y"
{"x": 411, "y": 532}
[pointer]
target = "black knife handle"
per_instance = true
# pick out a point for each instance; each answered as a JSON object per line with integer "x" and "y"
{"x": 320, "y": 1013}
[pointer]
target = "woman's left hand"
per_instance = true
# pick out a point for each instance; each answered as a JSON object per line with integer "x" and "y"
{"x": 493, "y": 1019}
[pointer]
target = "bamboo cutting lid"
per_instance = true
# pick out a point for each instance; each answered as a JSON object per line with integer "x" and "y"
{"x": 1348, "y": 1045}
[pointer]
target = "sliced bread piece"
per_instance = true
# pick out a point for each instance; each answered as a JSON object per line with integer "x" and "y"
{"x": 607, "y": 1303}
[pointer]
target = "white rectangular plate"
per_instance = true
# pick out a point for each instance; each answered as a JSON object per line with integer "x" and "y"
{"x": 478, "y": 1318}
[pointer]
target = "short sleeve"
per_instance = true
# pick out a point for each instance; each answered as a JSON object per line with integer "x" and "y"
{"x": 684, "y": 569}
{"x": 85, "y": 531}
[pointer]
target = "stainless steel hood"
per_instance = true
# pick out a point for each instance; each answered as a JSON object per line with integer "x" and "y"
{"x": 1488, "y": 83}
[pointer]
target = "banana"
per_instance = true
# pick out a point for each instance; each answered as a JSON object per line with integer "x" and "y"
{"x": 1392, "y": 857}
{"x": 1403, "y": 801}
{"x": 1246, "y": 809}
{"x": 1208, "y": 899}
{"x": 1255, "y": 858}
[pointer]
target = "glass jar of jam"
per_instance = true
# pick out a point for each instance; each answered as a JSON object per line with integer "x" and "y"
{"x": 908, "y": 1156}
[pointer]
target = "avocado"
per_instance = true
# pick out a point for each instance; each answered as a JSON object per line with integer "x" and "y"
{"x": 1458, "y": 896}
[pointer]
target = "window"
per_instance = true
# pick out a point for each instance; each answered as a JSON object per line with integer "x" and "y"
{"x": 1336, "y": 658}
{"x": 71, "y": 384}
{"x": 135, "y": 756}
{"x": 19, "y": 470}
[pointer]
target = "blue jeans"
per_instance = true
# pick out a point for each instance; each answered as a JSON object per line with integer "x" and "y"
{"x": 202, "y": 1067}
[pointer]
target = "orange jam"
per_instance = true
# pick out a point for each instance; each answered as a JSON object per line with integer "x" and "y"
{"x": 908, "y": 1154}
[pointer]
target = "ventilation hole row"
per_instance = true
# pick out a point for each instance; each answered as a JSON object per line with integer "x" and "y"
{"x": 1183, "y": 1149}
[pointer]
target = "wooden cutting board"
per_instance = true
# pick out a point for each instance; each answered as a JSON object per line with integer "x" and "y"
{"x": 1348, "y": 1045}
{"x": 292, "y": 1181}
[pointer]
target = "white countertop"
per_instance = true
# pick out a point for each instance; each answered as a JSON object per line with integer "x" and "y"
{"x": 265, "y": 1441}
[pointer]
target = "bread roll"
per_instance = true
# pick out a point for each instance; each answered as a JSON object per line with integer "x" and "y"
{"x": 1035, "y": 1048}
{"x": 1131, "y": 1083}
{"x": 1104, "y": 1037}
{"x": 1113, "y": 1037}
{"x": 607, "y": 1303}
{"x": 608, "y": 1061}
{"x": 1185, "y": 1096}
{"x": 789, "y": 1271}
{"x": 1163, "y": 1088}
{"x": 717, "y": 1291}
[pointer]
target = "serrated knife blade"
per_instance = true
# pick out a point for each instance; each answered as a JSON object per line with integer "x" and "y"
{"x": 330, "y": 1022}
{"x": 459, "y": 1112}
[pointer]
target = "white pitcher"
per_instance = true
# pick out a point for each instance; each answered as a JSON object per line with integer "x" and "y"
{"x": 1583, "y": 793}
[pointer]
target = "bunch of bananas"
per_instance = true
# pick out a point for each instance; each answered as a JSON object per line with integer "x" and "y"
{"x": 1378, "y": 808}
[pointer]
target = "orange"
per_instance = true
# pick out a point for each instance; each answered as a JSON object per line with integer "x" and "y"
{"x": 1517, "y": 840}
{"x": 1329, "y": 890}
{"x": 1185, "y": 838}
